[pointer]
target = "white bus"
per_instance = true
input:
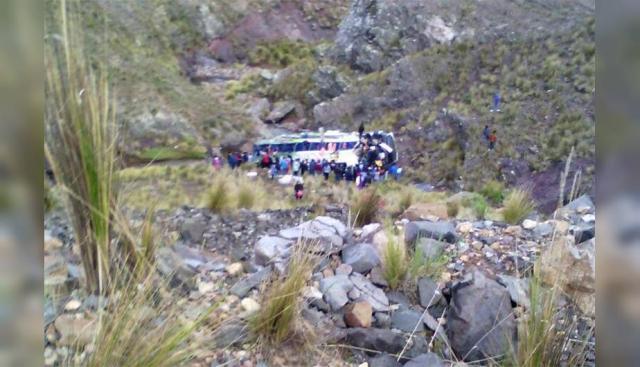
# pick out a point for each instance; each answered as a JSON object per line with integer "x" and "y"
{"x": 330, "y": 145}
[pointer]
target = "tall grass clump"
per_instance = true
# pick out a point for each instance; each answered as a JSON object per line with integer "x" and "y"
{"x": 246, "y": 198}
{"x": 366, "y": 206}
{"x": 517, "y": 205}
{"x": 493, "y": 191}
{"x": 217, "y": 199}
{"x": 142, "y": 325}
{"x": 276, "y": 320}
{"x": 546, "y": 333}
{"x": 480, "y": 207}
{"x": 80, "y": 142}
{"x": 394, "y": 263}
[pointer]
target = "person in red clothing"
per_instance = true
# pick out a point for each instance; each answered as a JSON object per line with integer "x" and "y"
{"x": 492, "y": 140}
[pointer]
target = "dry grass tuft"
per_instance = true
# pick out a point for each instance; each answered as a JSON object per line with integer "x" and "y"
{"x": 517, "y": 205}
{"x": 394, "y": 263}
{"x": 276, "y": 321}
{"x": 366, "y": 206}
{"x": 218, "y": 197}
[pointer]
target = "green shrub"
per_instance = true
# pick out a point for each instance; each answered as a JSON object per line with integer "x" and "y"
{"x": 517, "y": 206}
{"x": 366, "y": 206}
{"x": 493, "y": 191}
{"x": 480, "y": 207}
{"x": 394, "y": 263}
{"x": 280, "y": 53}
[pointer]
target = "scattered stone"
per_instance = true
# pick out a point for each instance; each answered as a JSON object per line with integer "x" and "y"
{"x": 376, "y": 339}
{"x": 372, "y": 294}
{"x": 465, "y": 227}
{"x": 269, "y": 247}
{"x": 362, "y": 257}
{"x": 311, "y": 293}
{"x": 380, "y": 242}
{"x": 230, "y": 334}
{"x": 335, "y": 290}
{"x": 480, "y": 322}
{"x": 243, "y": 286}
{"x": 428, "y": 292}
{"x": 358, "y": 314}
{"x": 250, "y": 305}
{"x": 383, "y": 360}
{"x": 234, "y": 269}
{"x": 170, "y": 264}
{"x": 513, "y": 231}
{"x": 354, "y": 294}
{"x": 377, "y": 277}
{"x": 406, "y": 320}
{"x": 543, "y": 229}
{"x": 327, "y": 272}
{"x": 584, "y": 232}
{"x": 425, "y": 360}
{"x": 382, "y": 320}
{"x": 518, "y": 289}
{"x": 442, "y": 231}
{"x": 344, "y": 269}
{"x": 74, "y": 330}
{"x": 369, "y": 230}
{"x": 398, "y": 298}
{"x": 193, "y": 229}
{"x": 572, "y": 267}
{"x": 430, "y": 248}
{"x": 529, "y": 224}
{"x": 72, "y": 305}
{"x": 205, "y": 287}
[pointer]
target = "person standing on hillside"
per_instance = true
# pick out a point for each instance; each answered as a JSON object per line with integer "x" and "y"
{"x": 496, "y": 102}
{"x": 492, "y": 140}
{"x": 361, "y": 130}
{"x": 486, "y": 132}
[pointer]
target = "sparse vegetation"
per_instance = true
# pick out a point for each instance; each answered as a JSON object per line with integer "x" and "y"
{"x": 480, "y": 207}
{"x": 493, "y": 191}
{"x": 517, "y": 206}
{"x": 246, "y": 197}
{"x": 394, "y": 263}
{"x": 280, "y": 53}
{"x": 218, "y": 197}
{"x": 277, "y": 318}
{"x": 366, "y": 206}
{"x": 453, "y": 208}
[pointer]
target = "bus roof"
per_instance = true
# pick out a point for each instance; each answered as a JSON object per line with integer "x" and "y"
{"x": 328, "y": 136}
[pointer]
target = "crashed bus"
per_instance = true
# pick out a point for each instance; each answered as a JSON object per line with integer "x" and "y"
{"x": 332, "y": 145}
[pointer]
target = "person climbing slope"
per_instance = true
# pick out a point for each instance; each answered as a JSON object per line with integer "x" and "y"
{"x": 298, "y": 189}
{"x": 492, "y": 140}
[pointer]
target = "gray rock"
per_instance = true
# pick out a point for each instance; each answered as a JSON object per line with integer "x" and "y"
{"x": 442, "y": 231}
{"x": 430, "y": 248}
{"x": 543, "y": 229}
{"x": 362, "y": 257}
{"x": 370, "y": 293}
{"x": 383, "y": 360}
{"x": 382, "y": 320}
{"x": 269, "y": 248}
{"x": 335, "y": 290}
{"x": 193, "y": 229}
{"x": 344, "y": 269}
{"x": 328, "y": 82}
{"x": 280, "y": 111}
{"x": 337, "y": 225}
{"x": 428, "y": 292}
{"x": 406, "y": 320}
{"x": 584, "y": 232}
{"x": 480, "y": 322}
{"x": 377, "y": 277}
{"x": 382, "y": 340}
{"x": 244, "y": 285}
{"x": 398, "y": 298}
{"x": 230, "y": 334}
{"x": 171, "y": 265}
{"x": 425, "y": 360}
{"x": 518, "y": 289}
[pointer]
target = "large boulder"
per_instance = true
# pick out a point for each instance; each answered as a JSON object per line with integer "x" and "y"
{"x": 383, "y": 360}
{"x": 369, "y": 292}
{"x": 280, "y": 111}
{"x": 323, "y": 231}
{"x": 362, "y": 257}
{"x": 572, "y": 267}
{"x": 269, "y": 248}
{"x": 480, "y": 322}
{"x": 335, "y": 290}
{"x": 243, "y": 286}
{"x": 382, "y": 340}
{"x": 442, "y": 231}
{"x": 407, "y": 320}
